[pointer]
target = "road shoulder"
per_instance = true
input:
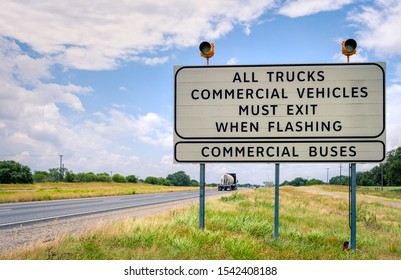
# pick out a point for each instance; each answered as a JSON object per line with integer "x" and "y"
{"x": 44, "y": 232}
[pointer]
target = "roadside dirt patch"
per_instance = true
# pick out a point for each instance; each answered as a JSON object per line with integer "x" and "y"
{"x": 364, "y": 198}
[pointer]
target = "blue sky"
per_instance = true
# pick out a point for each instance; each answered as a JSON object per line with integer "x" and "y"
{"x": 93, "y": 80}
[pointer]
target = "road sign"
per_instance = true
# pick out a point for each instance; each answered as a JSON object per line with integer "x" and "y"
{"x": 287, "y": 103}
{"x": 279, "y": 151}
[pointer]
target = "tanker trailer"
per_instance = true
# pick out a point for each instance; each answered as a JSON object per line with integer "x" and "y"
{"x": 228, "y": 182}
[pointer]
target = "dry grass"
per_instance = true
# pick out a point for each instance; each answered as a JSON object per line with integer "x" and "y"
{"x": 393, "y": 193}
{"x": 51, "y": 191}
{"x": 240, "y": 227}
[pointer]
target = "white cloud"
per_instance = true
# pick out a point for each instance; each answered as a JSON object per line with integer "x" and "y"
{"x": 378, "y": 27}
{"x": 378, "y": 30}
{"x": 300, "y": 8}
{"x": 150, "y": 128}
{"x": 360, "y": 56}
{"x": 21, "y": 67}
{"x": 166, "y": 160}
{"x": 98, "y": 35}
{"x": 232, "y": 61}
{"x": 34, "y": 130}
{"x": 151, "y": 60}
{"x": 393, "y": 116}
{"x": 123, "y": 89}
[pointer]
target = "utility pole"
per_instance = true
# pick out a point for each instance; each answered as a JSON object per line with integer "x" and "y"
{"x": 328, "y": 176}
{"x": 61, "y": 167}
{"x": 341, "y": 181}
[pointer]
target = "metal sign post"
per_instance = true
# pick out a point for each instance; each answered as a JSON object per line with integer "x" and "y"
{"x": 202, "y": 197}
{"x": 353, "y": 206}
{"x": 207, "y": 51}
{"x": 276, "y": 200}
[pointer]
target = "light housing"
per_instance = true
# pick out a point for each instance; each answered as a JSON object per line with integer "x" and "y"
{"x": 206, "y": 49}
{"x": 349, "y": 47}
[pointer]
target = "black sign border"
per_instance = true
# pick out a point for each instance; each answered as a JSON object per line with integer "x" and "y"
{"x": 279, "y": 65}
{"x": 276, "y": 161}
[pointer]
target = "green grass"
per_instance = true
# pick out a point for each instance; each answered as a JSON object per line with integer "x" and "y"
{"x": 240, "y": 227}
{"x": 50, "y": 191}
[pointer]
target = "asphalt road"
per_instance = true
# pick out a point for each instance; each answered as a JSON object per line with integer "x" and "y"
{"x": 16, "y": 214}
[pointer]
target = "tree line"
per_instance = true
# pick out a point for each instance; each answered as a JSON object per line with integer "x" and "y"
{"x": 388, "y": 172}
{"x": 12, "y": 172}
{"x": 391, "y": 170}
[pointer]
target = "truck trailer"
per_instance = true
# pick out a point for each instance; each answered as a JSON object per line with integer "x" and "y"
{"x": 228, "y": 182}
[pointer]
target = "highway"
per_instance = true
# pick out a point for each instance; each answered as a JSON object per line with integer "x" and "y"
{"x": 16, "y": 214}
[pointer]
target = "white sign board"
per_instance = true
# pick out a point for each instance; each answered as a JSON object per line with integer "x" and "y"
{"x": 282, "y": 103}
{"x": 279, "y": 151}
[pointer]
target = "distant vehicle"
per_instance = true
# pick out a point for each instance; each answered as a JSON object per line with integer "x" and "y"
{"x": 228, "y": 182}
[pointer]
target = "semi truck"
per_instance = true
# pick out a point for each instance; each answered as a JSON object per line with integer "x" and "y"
{"x": 228, "y": 182}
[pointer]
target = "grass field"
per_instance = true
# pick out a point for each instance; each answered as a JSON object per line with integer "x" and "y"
{"x": 388, "y": 192}
{"x": 240, "y": 226}
{"x": 51, "y": 191}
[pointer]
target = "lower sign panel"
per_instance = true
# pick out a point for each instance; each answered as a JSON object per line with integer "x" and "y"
{"x": 300, "y": 151}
